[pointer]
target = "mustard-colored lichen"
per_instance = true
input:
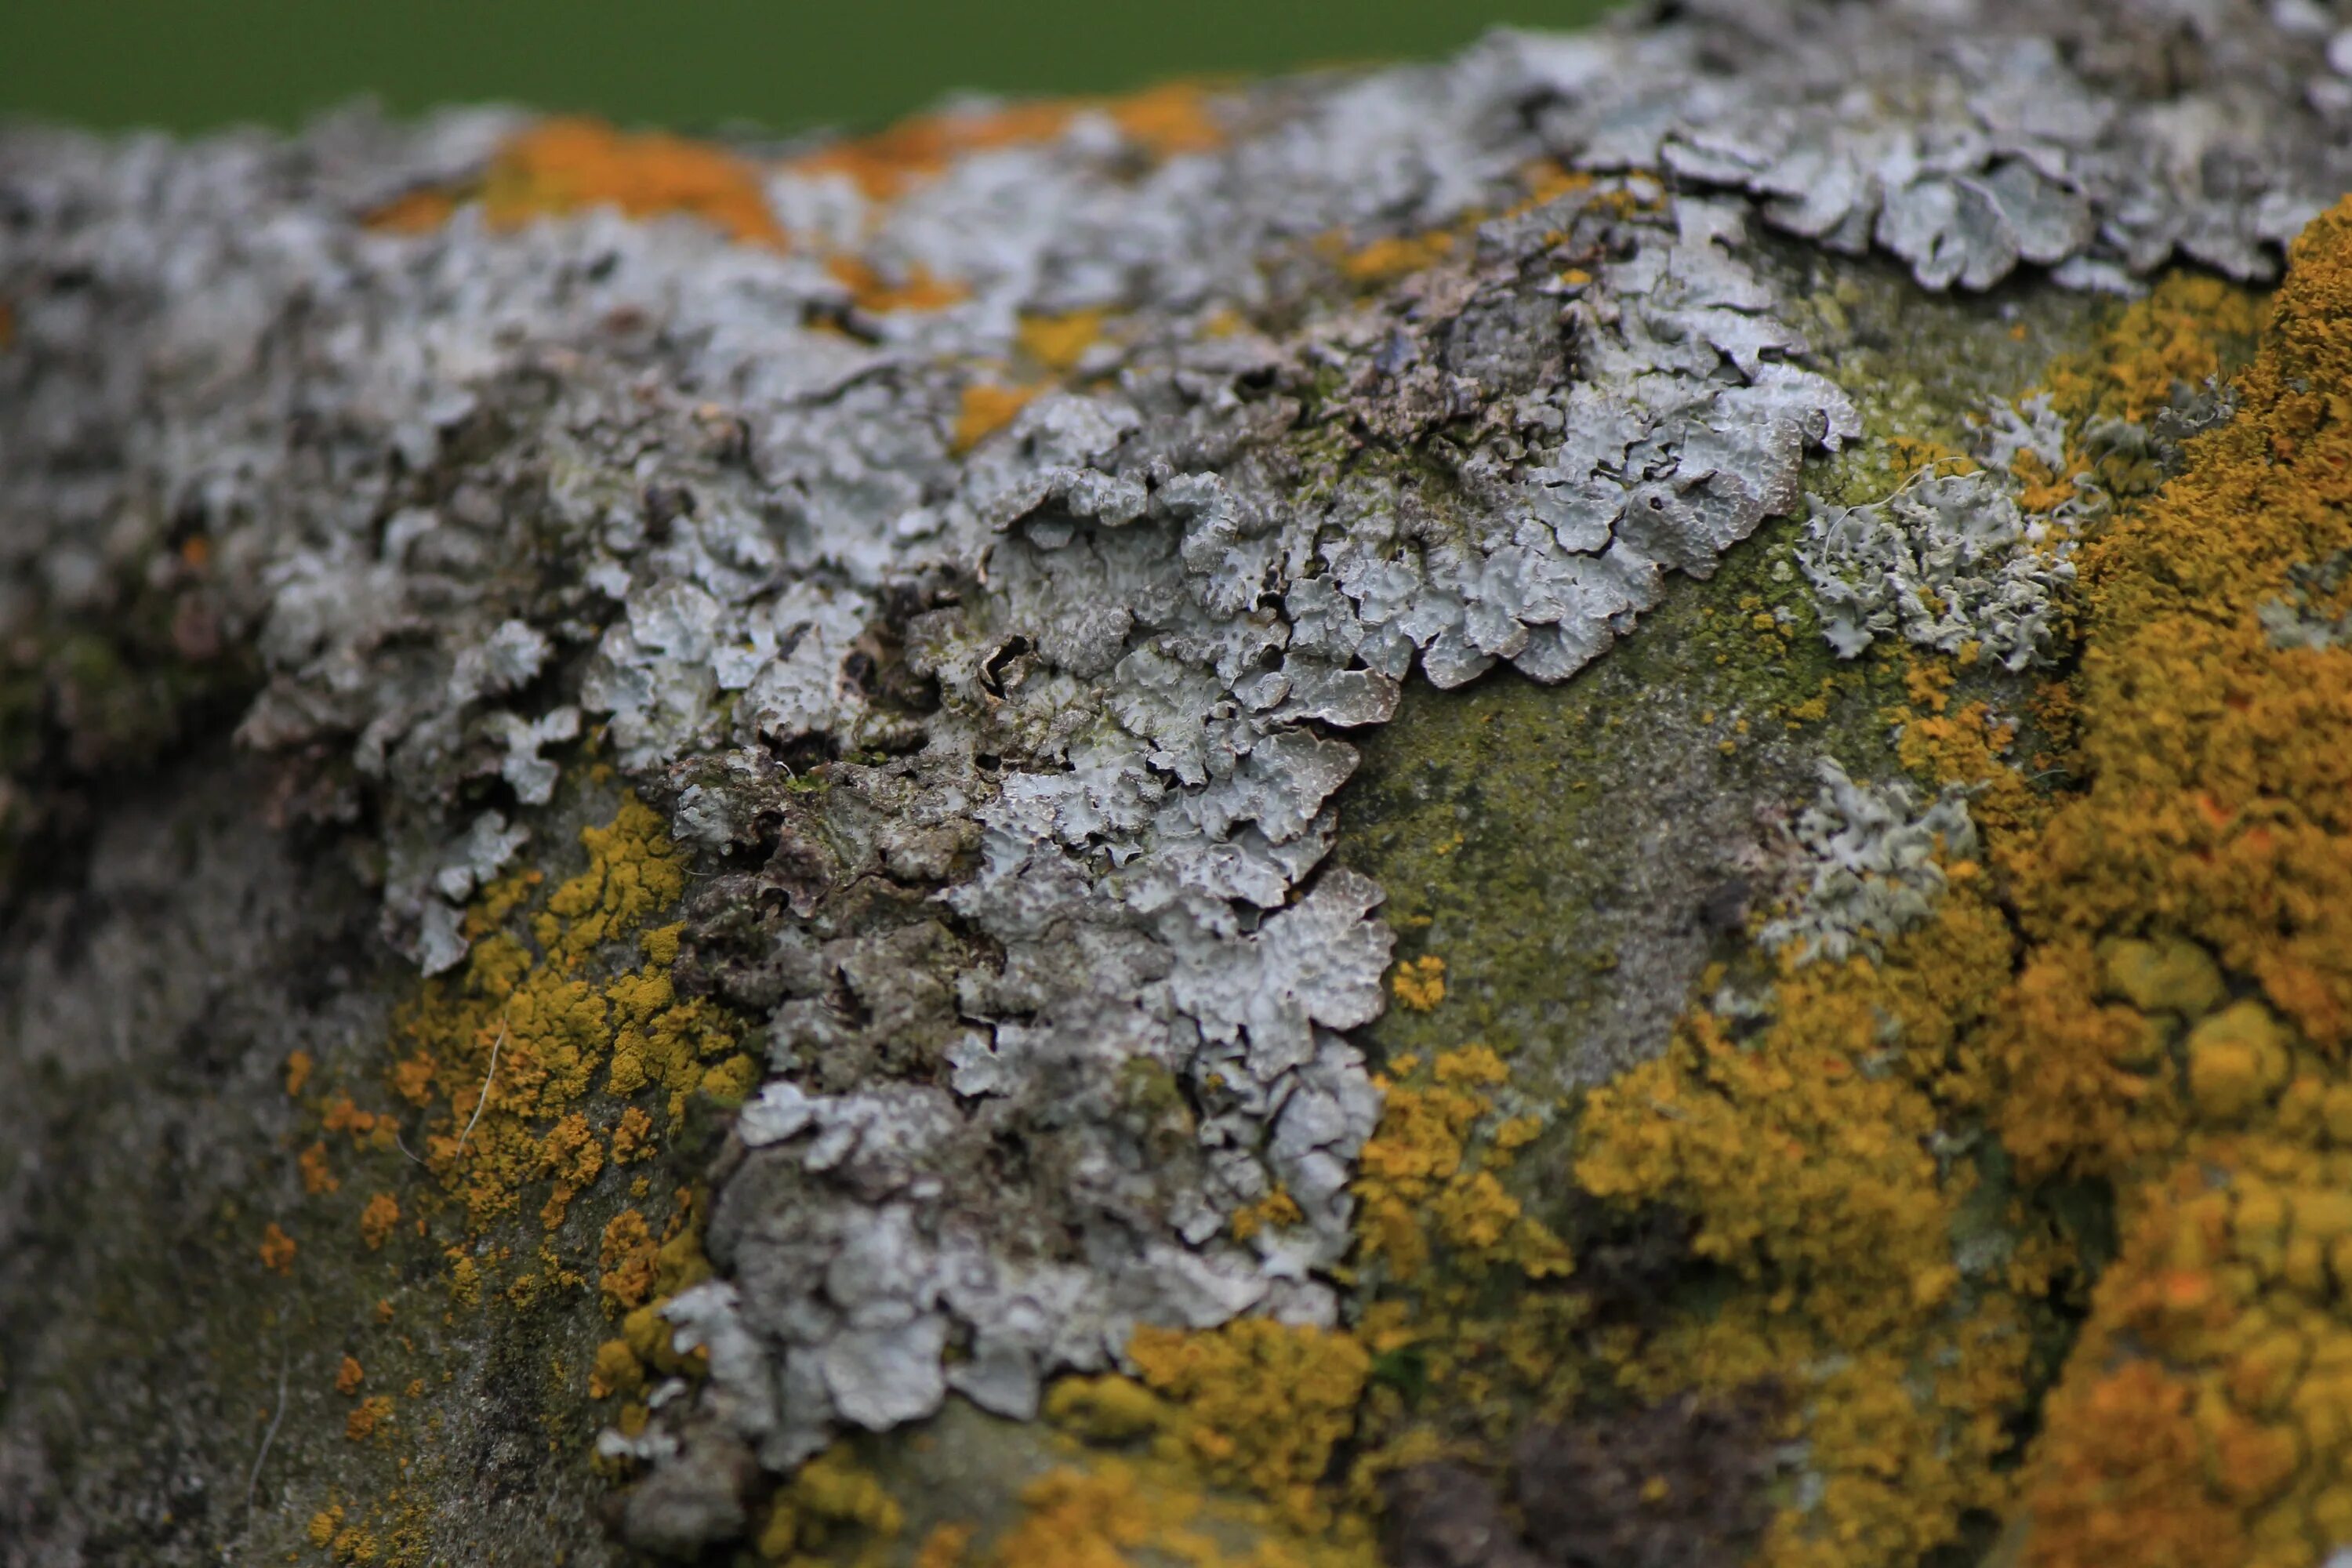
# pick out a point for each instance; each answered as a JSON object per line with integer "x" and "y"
{"x": 1420, "y": 982}
{"x": 277, "y": 1249}
{"x": 1261, "y": 1406}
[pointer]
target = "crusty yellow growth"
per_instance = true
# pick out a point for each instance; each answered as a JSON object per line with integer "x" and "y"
{"x": 1059, "y": 342}
{"x": 383, "y": 1211}
{"x": 371, "y": 1415}
{"x": 1116, "y": 1513}
{"x": 1107, "y": 1409}
{"x": 1420, "y": 982}
{"x": 2181, "y": 1023}
{"x": 277, "y": 1249}
{"x": 1084, "y": 1518}
{"x": 915, "y": 150}
{"x": 987, "y": 408}
{"x": 2178, "y": 336}
{"x": 617, "y": 1371}
{"x": 317, "y": 1176}
{"x": 832, "y": 1510}
{"x": 1420, "y": 1192}
{"x": 1168, "y": 120}
{"x": 1261, "y": 1404}
{"x": 2178, "y": 333}
{"x": 944, "y": 1546}
{"x": 562, "y": 165}
{"x": 917, "y": 289}
{"x": 518, "y": 1056}
{"x": 566, "y": 164}
{"x": 1275, "y": 1211}
{"x": 1810, "y": 1157}
{"x": 349, "y": 1376}
{"x": 627, "y": 1260}
{"x": 1165, "y": 120}
{"x": 1385, "y": 260}
{"x": 298, "y": 1072}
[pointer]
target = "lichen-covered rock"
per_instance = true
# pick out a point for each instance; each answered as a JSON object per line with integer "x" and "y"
{"x": 988, "y": 545}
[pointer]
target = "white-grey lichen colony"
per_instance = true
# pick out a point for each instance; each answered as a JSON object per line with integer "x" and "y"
{"x": 1874, "y": 869}
{"x": 488, "y": 490}
{"x": 1948, "y": 560}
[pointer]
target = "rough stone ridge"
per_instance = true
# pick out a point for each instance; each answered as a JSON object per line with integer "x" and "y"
{"x": 1010, "y": 753}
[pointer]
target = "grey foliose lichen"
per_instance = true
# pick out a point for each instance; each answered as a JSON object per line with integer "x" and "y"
{"x": 1949, "y": 560}
{"x": 1011, "y": 770}
{"x": 1972, "y": 137}
{"x": 2300, "y": 617}
{"x": 1874, "y": 863}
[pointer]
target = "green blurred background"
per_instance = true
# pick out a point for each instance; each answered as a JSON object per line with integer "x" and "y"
{"x": 691, "y": 64}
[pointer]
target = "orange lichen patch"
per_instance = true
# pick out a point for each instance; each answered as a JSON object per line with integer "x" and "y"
{"x": 831, "y": 1502}
{"x": 298, "y": 1072}
{"x": 1276, "y": 1211}
{"x": 2176, "y": 335}
{"x": 512, "y": 1049}
{"x": 277, "y": 1249}
{"x": 633, "y": 1137}
{"x": 1058, "y": 343}
{"x": 889, "y": 161}
{"x": 945, "y": 1545}
{"x": 1126, "y": 1512}
{"x": 1168, "y": 119}
{"x": 617, "y": 1371}
{"x": 1082, "y": 1518}
{"x": 1547, "y": 181}
{"x": 986, "y": 408}
{"x": 2180, "y": 1026}
{"x": 918, "y": 290}
{"x": 1420, "y": 982}
{"x": 344, "y": 1115}
{"x": 1261, "y": 1405}
{"x": 1970, "y": 745}
{"x": 1422, "y": 1193}
{"x": 349, "y": 1376}
{"x": 1164, "y": 122}
{"x": 1807, "y": 1156}
{"x": 323, "y": 1525}
{"x": 317, "y": 1176}
{"x": 414, "y": 211}
{"x": 382, "y": 1213}
{"x": 571, "y": 1155}
{"x": 564, "y": 165}
{"x": 626, "y": 1260}
{"x": 372, "y": 1415}
{"x": 1385, "y": 260}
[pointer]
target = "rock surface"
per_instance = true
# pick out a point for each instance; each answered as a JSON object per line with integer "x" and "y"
{"x": 992, "y": 558}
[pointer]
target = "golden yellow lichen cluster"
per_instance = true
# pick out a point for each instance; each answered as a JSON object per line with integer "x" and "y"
{"x": 2174, "y": 1028}
{"x": 1420, "y": 982}
{"x": 1813, "y": 1160}
{"x": 1422, "y": 1193}
{"x": 2187, "y": 998}
{"x": 1261, "y": 1405}
{"x": 830, "y": 1504}
{"x": 522, "y": 1061}
{"x": 512, "y": 1087}
{"x": 566, "y": 164}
